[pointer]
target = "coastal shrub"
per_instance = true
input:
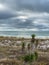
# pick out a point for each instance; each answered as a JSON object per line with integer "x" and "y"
{"x": 28, "y": 58}
{"x": 31, "y": 57}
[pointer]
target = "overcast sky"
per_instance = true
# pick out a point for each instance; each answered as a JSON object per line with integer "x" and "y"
{"x": 24, "y": 15}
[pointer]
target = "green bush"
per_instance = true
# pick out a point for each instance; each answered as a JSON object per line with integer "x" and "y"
{"x": 28, "y": 58}
{"x": 31, "y": 57}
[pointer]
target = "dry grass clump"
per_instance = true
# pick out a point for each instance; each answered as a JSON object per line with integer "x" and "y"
{"x": 12, "y": 62}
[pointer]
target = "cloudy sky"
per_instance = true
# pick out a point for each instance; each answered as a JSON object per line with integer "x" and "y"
{"x": 24, "y": 15}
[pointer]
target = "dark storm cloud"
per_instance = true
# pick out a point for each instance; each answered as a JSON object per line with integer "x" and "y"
{"x": 34, "y": 5}
{"x": 6, "y": 15}
{"x": 28, "y": 14}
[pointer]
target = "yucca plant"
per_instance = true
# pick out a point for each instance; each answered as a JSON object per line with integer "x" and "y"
{"x": 33, "y": 38}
